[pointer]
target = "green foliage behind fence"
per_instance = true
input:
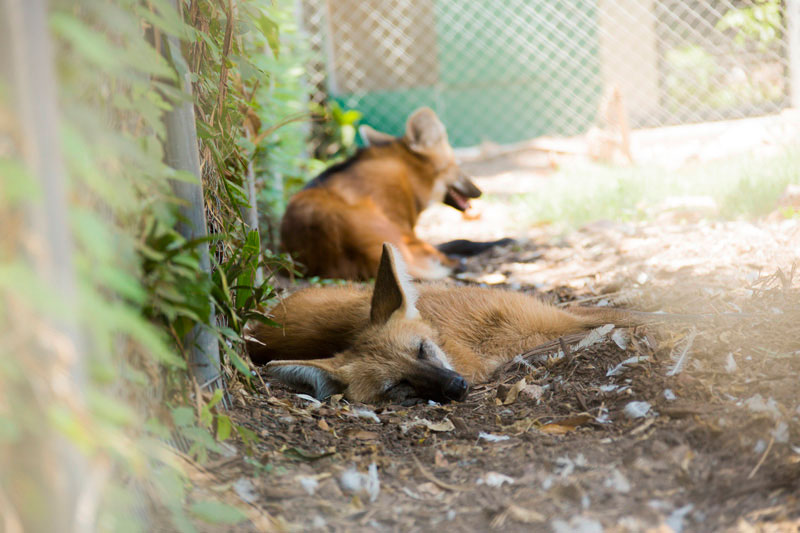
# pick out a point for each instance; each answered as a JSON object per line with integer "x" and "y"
{"x": 140, "y": 288}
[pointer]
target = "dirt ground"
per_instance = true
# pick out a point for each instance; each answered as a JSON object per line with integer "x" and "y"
{"x": 690, "y": 426}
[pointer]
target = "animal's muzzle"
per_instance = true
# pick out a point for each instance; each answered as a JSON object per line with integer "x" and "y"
{"x": 459, "y": 193}
{"x": 433, "y": 382}
{"x": 456, "y": 389}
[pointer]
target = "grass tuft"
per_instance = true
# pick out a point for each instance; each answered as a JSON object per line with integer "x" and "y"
{"x": 747, "y": 185}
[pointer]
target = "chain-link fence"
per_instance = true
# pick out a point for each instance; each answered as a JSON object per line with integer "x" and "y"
{"x": 509, "y": 70}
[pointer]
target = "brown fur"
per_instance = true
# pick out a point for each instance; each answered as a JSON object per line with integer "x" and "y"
{"x": 337, "y": 225}
{"x": 336, "y": 330}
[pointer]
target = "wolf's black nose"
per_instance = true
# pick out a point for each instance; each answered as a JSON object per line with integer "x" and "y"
{"x": 456, "y": 389}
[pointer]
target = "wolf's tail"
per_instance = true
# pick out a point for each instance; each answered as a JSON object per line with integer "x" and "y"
{"x": 465, "y": 248}
{"x": 598, "y": 316}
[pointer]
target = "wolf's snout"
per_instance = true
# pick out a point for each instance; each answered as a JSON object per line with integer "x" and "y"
{"x": 456, "y": 389}
{"x": 459, "y": 193}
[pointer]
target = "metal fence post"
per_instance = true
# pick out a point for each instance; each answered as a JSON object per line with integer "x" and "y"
{"x": 182, "y": 153}
{"x": 793, "y": 44}
{"x": 250, "y": 213}
{"x": 58, "y": 468}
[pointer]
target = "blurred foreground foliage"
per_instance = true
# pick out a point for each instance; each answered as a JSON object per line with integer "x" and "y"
{"x": 140, "y": 286}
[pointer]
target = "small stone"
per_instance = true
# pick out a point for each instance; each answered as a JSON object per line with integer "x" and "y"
{"x": 730, "y": 364}
{"x": 637, "y": 409}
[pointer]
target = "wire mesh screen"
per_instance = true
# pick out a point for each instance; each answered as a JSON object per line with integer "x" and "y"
{"x": 509, "y": 70}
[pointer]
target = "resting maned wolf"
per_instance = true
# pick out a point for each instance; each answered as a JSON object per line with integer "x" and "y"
{"x": 402, "y": 341}
{"x": 336, "y": 225}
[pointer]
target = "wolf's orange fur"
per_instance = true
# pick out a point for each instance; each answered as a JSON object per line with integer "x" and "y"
{"x": 337, "y": 224}
{"x": 390, "y": 343}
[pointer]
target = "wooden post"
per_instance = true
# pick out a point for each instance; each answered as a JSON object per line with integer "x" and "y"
{"x": 793, "y": 45}
{"x": 182, "y": 153}
{"x": 330, "y": 55}
{"x": 60, "y": 472}
{"x": 250, "y": 213}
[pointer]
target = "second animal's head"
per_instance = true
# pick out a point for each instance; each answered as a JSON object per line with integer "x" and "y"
{"x": 396, "y": 358}
{"x": 426, "y": 136}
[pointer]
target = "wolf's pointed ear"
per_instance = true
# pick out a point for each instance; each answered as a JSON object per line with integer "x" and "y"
{"x": 373, "y": 137}
{"x": 321, "y": 378}
{"x": 393, "y": 288}
{"x": 424, "y": 130}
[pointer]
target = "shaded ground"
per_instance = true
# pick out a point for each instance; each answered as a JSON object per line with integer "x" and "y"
{"x": 716, "y": 447}
{"x": 691, "y": 426}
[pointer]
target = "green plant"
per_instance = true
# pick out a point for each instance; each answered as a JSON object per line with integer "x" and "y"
{"x": 139, "y": 284}
{"x": 761, "y": 22}
{"x": 742, "y": 186}
{"x": 280, "y": 102}
{"x": 691, "y": 77}
{"x": 335, "y": 135}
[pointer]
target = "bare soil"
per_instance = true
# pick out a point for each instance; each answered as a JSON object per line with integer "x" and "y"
{"x": 716, "y": 447}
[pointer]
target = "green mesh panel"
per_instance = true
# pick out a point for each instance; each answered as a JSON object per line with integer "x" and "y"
{"x": 502, "y": 86}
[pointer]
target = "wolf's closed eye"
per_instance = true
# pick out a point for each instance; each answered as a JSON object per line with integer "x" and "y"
{"x": 421, "y": 354}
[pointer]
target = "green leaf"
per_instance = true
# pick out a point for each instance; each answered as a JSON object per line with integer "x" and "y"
{"x": 224, "y": 427}
{"x": 271, "y": 32}
{"x": 260, "y": 317}
{"x": 252, "y": 245}
{"x": 170, "y": 486}
{"x": 247, "y": 435}
{"x": 154, "y": 426}
{"x": 166, "y": 18}
{"x": 110, "y": 408}
{"x": 90, "y": 44}
{"x": 237, "y": 361}
{"x": 185, "y": 176}
{"x": 215, "y": 512}
{"x": 69, "y": 424}
{"x": 229, "y": 333}
{"x": 215, "y": 398}
{"x": 206, "y": 418}
{"x": 351, "y": 116}
{"x": 183, "y": 416}
{"x": 202, "y": 440}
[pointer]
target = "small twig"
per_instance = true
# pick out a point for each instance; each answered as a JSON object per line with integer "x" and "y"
{"x": 198, "y": 397}
{"x": 433, "y": 479}
{"x": 252, "y": 95}
{"x": 566, "y": 350}
{"x": 550, "y": 346}
{"x": 288, "y": 120}
{"x": 581, "y": 401}
{"x": 226, "y": 50}
{"x": 542, "y": 349}
{"x": 267, "y": 391}
{"x": 589, "y": 299}
{"x": 763, "y": 457}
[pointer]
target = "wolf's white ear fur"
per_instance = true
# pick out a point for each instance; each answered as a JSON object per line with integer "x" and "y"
{"x": 373, "y": 137}
{"x": 317, "y": 381}
{"x": 394, "y": 290}
{"x": 424, "y": 130}
{"x": 405, "y": 281}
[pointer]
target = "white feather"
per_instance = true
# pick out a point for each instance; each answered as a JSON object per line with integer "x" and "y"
{"x": 683, "y": 358}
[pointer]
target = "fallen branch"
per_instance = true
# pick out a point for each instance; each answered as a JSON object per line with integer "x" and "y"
{"x": 763, "y": 457}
